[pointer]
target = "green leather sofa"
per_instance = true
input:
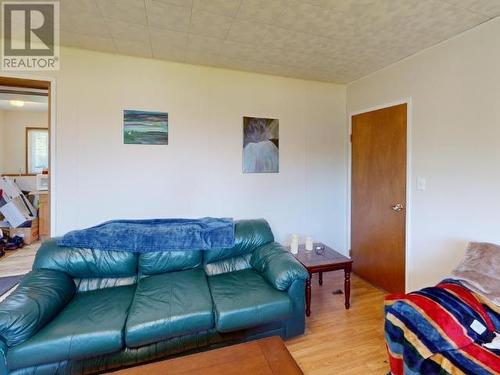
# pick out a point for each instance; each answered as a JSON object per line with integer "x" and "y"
{"x": 83, "y": 311}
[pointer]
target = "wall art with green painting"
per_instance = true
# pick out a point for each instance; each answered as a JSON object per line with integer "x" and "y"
{"x": 145, "y": 128}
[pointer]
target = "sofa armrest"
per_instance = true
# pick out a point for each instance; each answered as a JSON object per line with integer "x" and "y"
{"x": 277, "y": 265}
{"x": 39, "y": 297}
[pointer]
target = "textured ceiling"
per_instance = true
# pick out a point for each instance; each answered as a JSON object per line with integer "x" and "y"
{"x": 327, "y": 40}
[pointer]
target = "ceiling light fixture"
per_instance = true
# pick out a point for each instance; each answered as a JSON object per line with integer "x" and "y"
{"x": 16, "y": 103}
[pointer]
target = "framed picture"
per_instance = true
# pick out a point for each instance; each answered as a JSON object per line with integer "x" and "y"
{"x": 260, "y": 145}
{"x": 145, "y": 128}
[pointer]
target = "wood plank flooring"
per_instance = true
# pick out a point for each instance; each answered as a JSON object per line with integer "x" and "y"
{"x": 18, "y": 262}
{"x": 339, "y": 341}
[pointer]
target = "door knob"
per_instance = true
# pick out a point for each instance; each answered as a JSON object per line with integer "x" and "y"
{"x": 398, "y": 207}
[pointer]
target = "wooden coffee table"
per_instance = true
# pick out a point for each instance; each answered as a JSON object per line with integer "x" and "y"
{"x": 319, "y": 261}
{"x": 267, "y": 356}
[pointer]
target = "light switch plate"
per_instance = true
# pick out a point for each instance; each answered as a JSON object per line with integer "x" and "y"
{"x": 421, "y": 184}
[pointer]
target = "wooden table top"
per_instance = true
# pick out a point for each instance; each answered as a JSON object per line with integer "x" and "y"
{"x": 267, "y": 356}
{"x": 325, "y": 257}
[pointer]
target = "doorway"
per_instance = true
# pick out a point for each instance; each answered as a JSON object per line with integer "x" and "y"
{"x": 25, "y": 121}
{"x": 379, "y": 196}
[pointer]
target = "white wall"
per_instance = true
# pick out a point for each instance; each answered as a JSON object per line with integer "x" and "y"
{"x": 455, "y": 89}
{"x": 200, "y": 172}
{"x": 13, "y": 141}
{"x": 2, "y": 137}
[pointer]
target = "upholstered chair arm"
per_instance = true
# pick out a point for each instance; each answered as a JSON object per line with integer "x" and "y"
{"x": 38, "y": 298}
{"x": 277, "y": 265}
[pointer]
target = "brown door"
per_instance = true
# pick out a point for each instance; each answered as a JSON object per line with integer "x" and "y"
{"x": 378, "y": 216}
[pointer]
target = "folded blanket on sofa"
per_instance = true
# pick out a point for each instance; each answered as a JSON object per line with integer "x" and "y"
{"x": 141, "y": 236}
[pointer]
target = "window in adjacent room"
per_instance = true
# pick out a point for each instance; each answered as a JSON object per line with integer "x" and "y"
{"x": 37, "y": 150}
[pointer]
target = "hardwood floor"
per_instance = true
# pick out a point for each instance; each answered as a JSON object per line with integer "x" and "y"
{"x": 339, "y": 341}
{"x": 18, "y": 262}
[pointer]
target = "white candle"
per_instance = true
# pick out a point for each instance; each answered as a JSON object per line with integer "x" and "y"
{"x": 294, "y": 244}
{"x": 309, "y": 243}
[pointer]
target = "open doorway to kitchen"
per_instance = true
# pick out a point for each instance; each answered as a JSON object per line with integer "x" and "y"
{"x": 25, "y": 196}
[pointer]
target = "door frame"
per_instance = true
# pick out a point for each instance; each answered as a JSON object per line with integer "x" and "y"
{"x": 409, "y": 174}
{"x": 52, "y": 138}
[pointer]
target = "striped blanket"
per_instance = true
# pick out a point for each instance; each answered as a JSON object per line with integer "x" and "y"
{"x": 441, "y": 330}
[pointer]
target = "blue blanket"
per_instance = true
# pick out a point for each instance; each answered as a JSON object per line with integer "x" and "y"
{"x": 142, "y": 236}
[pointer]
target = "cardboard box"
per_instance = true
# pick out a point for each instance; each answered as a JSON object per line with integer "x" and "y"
{"x": 14, "y": 205}
{"x": 29, "y": 234}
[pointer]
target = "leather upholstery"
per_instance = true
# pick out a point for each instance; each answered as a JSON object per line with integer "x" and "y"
{"x": 161, "y": 350}
{"x": 37, "y": 299}
{"x": 250, "y": 294}
{"x": 168, "y": 261}
{"x": 237, "y": 263}
{"x": 3, "y": 358}
{"x": 248, "y": 235}
{"x": 169, "y": 305}
{"x": 85, "y": 263}
{"x": 87, "y": 284}
{"x": 125, "y": 357}
{"x": 244, "y": 299}
{"x": 277, "y": 265}
{"x": 296, "y": 324}
{"x": 91, "y": 324}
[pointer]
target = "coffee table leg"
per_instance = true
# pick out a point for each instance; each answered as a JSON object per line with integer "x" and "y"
{"x": 347, "y": 287}
{"x": 308, "y": 296}
{"x": 321, "y": 278}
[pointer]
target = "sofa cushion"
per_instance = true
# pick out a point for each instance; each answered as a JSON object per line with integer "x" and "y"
{"x": 90, "y": 325}
{"x": 93, "y": 283}
{"x": 167, "y": 261}
{"x": 169, "y": 305}
{"x": 85, "y": 263}
{"x": 238, "y": 263}
{"x": 248, "y": 235}
{"x": 243, "y": 299}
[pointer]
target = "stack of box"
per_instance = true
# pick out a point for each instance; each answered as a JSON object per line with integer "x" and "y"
{"x": 19, "y": 213}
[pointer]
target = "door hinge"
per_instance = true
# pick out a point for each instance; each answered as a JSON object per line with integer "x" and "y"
{"x": 350, "y": 137}
{"x": 350, "y": 253}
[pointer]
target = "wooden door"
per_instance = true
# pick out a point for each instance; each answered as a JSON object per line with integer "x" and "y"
{"x": 378, "y": 206}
